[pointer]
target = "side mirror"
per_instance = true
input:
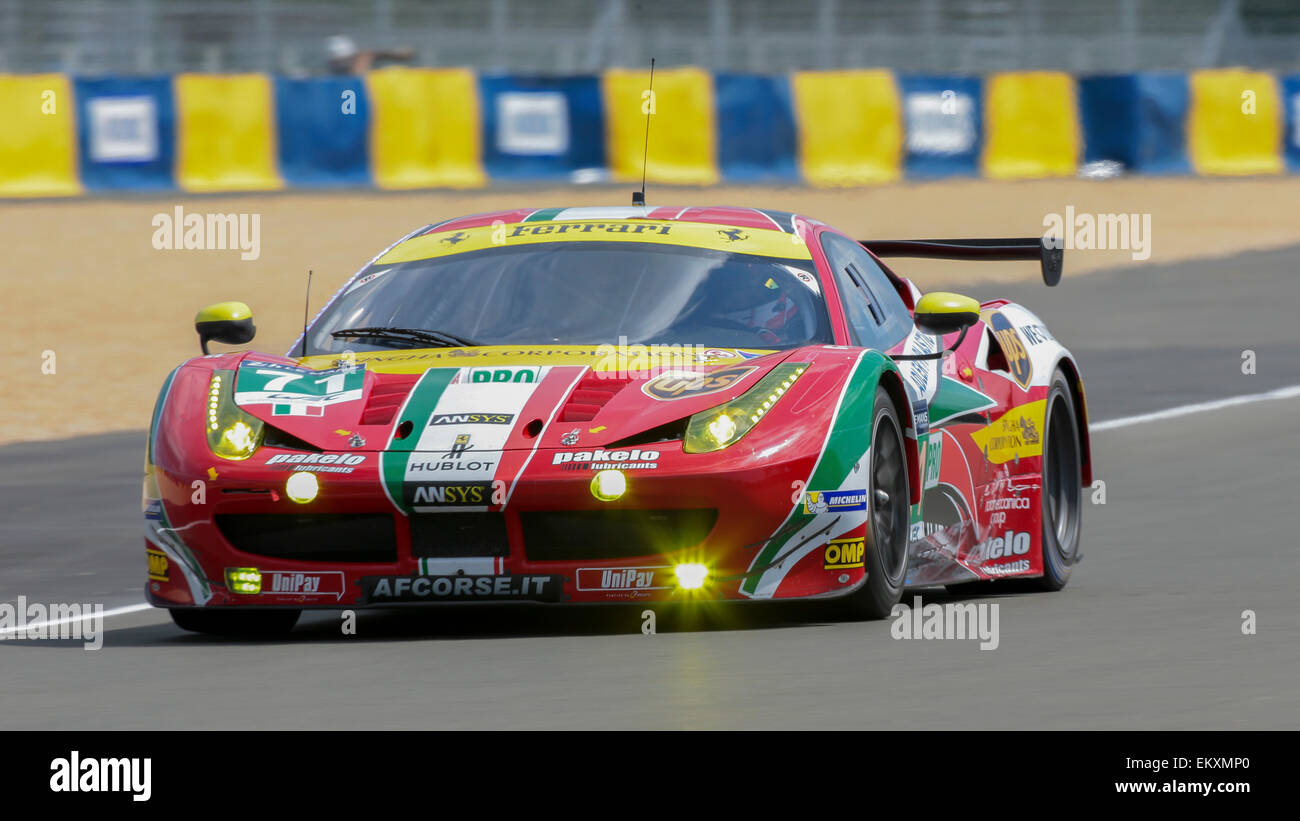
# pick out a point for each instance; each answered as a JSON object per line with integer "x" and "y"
{"x": 941, "y": 313}
{"x": 228, "y": 322}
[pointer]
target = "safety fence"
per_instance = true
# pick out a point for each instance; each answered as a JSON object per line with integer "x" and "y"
{"x": 414, "y": 128}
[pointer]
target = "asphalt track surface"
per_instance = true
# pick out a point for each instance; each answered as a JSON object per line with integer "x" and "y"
{"x": 1199, "y": 525}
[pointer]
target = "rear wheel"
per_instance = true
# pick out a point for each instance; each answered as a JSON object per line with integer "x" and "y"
{"x": 236, "y": 622}
{"x": 1062, "y": 496}
{"x": 889, "y": 513}
{"x": 1061, "y": 499}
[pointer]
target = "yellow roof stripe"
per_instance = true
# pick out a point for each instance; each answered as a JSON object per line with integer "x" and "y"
{"x": 760, "y": 241}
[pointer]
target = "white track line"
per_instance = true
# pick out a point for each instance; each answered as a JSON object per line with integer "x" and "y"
{"x": 116, "y": 611}
{"x": 1183, "y": 410}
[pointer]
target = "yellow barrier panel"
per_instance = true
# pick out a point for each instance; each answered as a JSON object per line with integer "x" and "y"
{"x": 1031, "y": 125}
{"x": 1235, "y": 124}
{"x": 225, "y": 133}
{"x": 38, "y": 142}
{"x": 425, "y": 128}
{"x": 683, "y": 132}
{"x": 850, "y": 126}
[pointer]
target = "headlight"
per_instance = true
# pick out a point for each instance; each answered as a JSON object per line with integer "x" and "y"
{"x": 720, "y": 427}
{"x": 232, "y": 433}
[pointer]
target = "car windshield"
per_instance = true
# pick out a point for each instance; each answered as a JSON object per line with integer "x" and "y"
{"x": 582, "y": 293}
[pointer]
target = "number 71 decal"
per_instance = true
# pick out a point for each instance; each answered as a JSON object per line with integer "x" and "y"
{"x": 297, "y": 391}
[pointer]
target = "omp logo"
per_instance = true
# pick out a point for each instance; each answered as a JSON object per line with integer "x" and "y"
{"x": 128, "y": 775}
{"x": 1013, "y": 350}
{"x": 475, "y": 494}
{"x": 471, "y": 419}
{"x": 158, "y": 565}
{"x": 844, "y": 553}
{"x": 683, "y": 385}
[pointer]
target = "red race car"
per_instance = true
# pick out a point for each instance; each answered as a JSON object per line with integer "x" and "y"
{"x": 619, "y": 404}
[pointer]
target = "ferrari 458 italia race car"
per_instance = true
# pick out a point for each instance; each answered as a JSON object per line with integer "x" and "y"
{"x": 619, "y": 404}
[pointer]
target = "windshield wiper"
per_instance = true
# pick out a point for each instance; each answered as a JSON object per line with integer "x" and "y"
{"x": 440, "y": 339}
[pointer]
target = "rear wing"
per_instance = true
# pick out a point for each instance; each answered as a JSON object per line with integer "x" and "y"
{"x": 1051, "y": 259}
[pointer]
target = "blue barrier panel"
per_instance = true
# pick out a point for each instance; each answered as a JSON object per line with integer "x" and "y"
{"x": 1290, "y": 110}
{"x": 1162, "y": 124}
{"x": 322, "y": 126}
{"x": 542, "y": 127}
{"x": 126, "y": 132}
{"x": 943, "y": 117}
{"x": 1138, "y": 120}
{"x": 1109, "y": 113}
{"x": 756, "y": 131}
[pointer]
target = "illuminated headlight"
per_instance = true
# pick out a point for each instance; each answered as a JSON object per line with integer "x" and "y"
{"x": 232, "y": 433}
{"x": 723, "y": 429}
{"x": 720, "y": 427}
{"x": 691, "y": 576}
{"x": 608, "y": 485}
{"x": 301, "y": 487}
{"x": 246, "y": 581}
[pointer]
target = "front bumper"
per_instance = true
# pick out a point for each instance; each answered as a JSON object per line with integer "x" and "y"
{"x": 543, "y": 538}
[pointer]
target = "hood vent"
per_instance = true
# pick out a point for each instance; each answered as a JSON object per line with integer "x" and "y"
{"x": 386, "y": 397}
{"x": 593, "y": 393}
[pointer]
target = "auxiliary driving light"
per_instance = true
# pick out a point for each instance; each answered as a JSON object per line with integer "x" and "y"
{"x": 246, "y": 581}
{"x": 301, "y": 487}
{"x": 691, "y": 576}
{"x": 608, "y": 485}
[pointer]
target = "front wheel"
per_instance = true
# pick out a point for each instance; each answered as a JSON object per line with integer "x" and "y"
{"x": 236, "y": 622}
{"x": 889, "y": 512}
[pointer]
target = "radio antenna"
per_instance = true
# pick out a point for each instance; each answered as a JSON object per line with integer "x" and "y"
{"x": 638, "y": 197}
{"x": 306, "y": 308}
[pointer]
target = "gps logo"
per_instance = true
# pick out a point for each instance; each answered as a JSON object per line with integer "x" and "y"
{"x": 1013, "y": 350}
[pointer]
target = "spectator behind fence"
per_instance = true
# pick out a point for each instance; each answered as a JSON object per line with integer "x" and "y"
{"x": 346, "y": 58}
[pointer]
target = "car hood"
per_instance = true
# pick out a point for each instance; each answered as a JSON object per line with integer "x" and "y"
{"x": 492, "y": 398}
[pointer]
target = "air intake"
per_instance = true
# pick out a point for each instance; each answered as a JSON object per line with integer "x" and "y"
{"x": 386, "y": 397}
{"x": 593, "y": 393}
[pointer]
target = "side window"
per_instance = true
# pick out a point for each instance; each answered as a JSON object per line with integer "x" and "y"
{"x": 876, "y": 314}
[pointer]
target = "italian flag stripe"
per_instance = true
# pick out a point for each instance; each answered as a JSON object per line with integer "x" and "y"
{"x": 417, "y": 410}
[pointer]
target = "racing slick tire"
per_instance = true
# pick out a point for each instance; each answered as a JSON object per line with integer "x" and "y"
{"x": 889, "y": 513}
{"x": 1062, "y": 486}
{"x": 236, "y": 622}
